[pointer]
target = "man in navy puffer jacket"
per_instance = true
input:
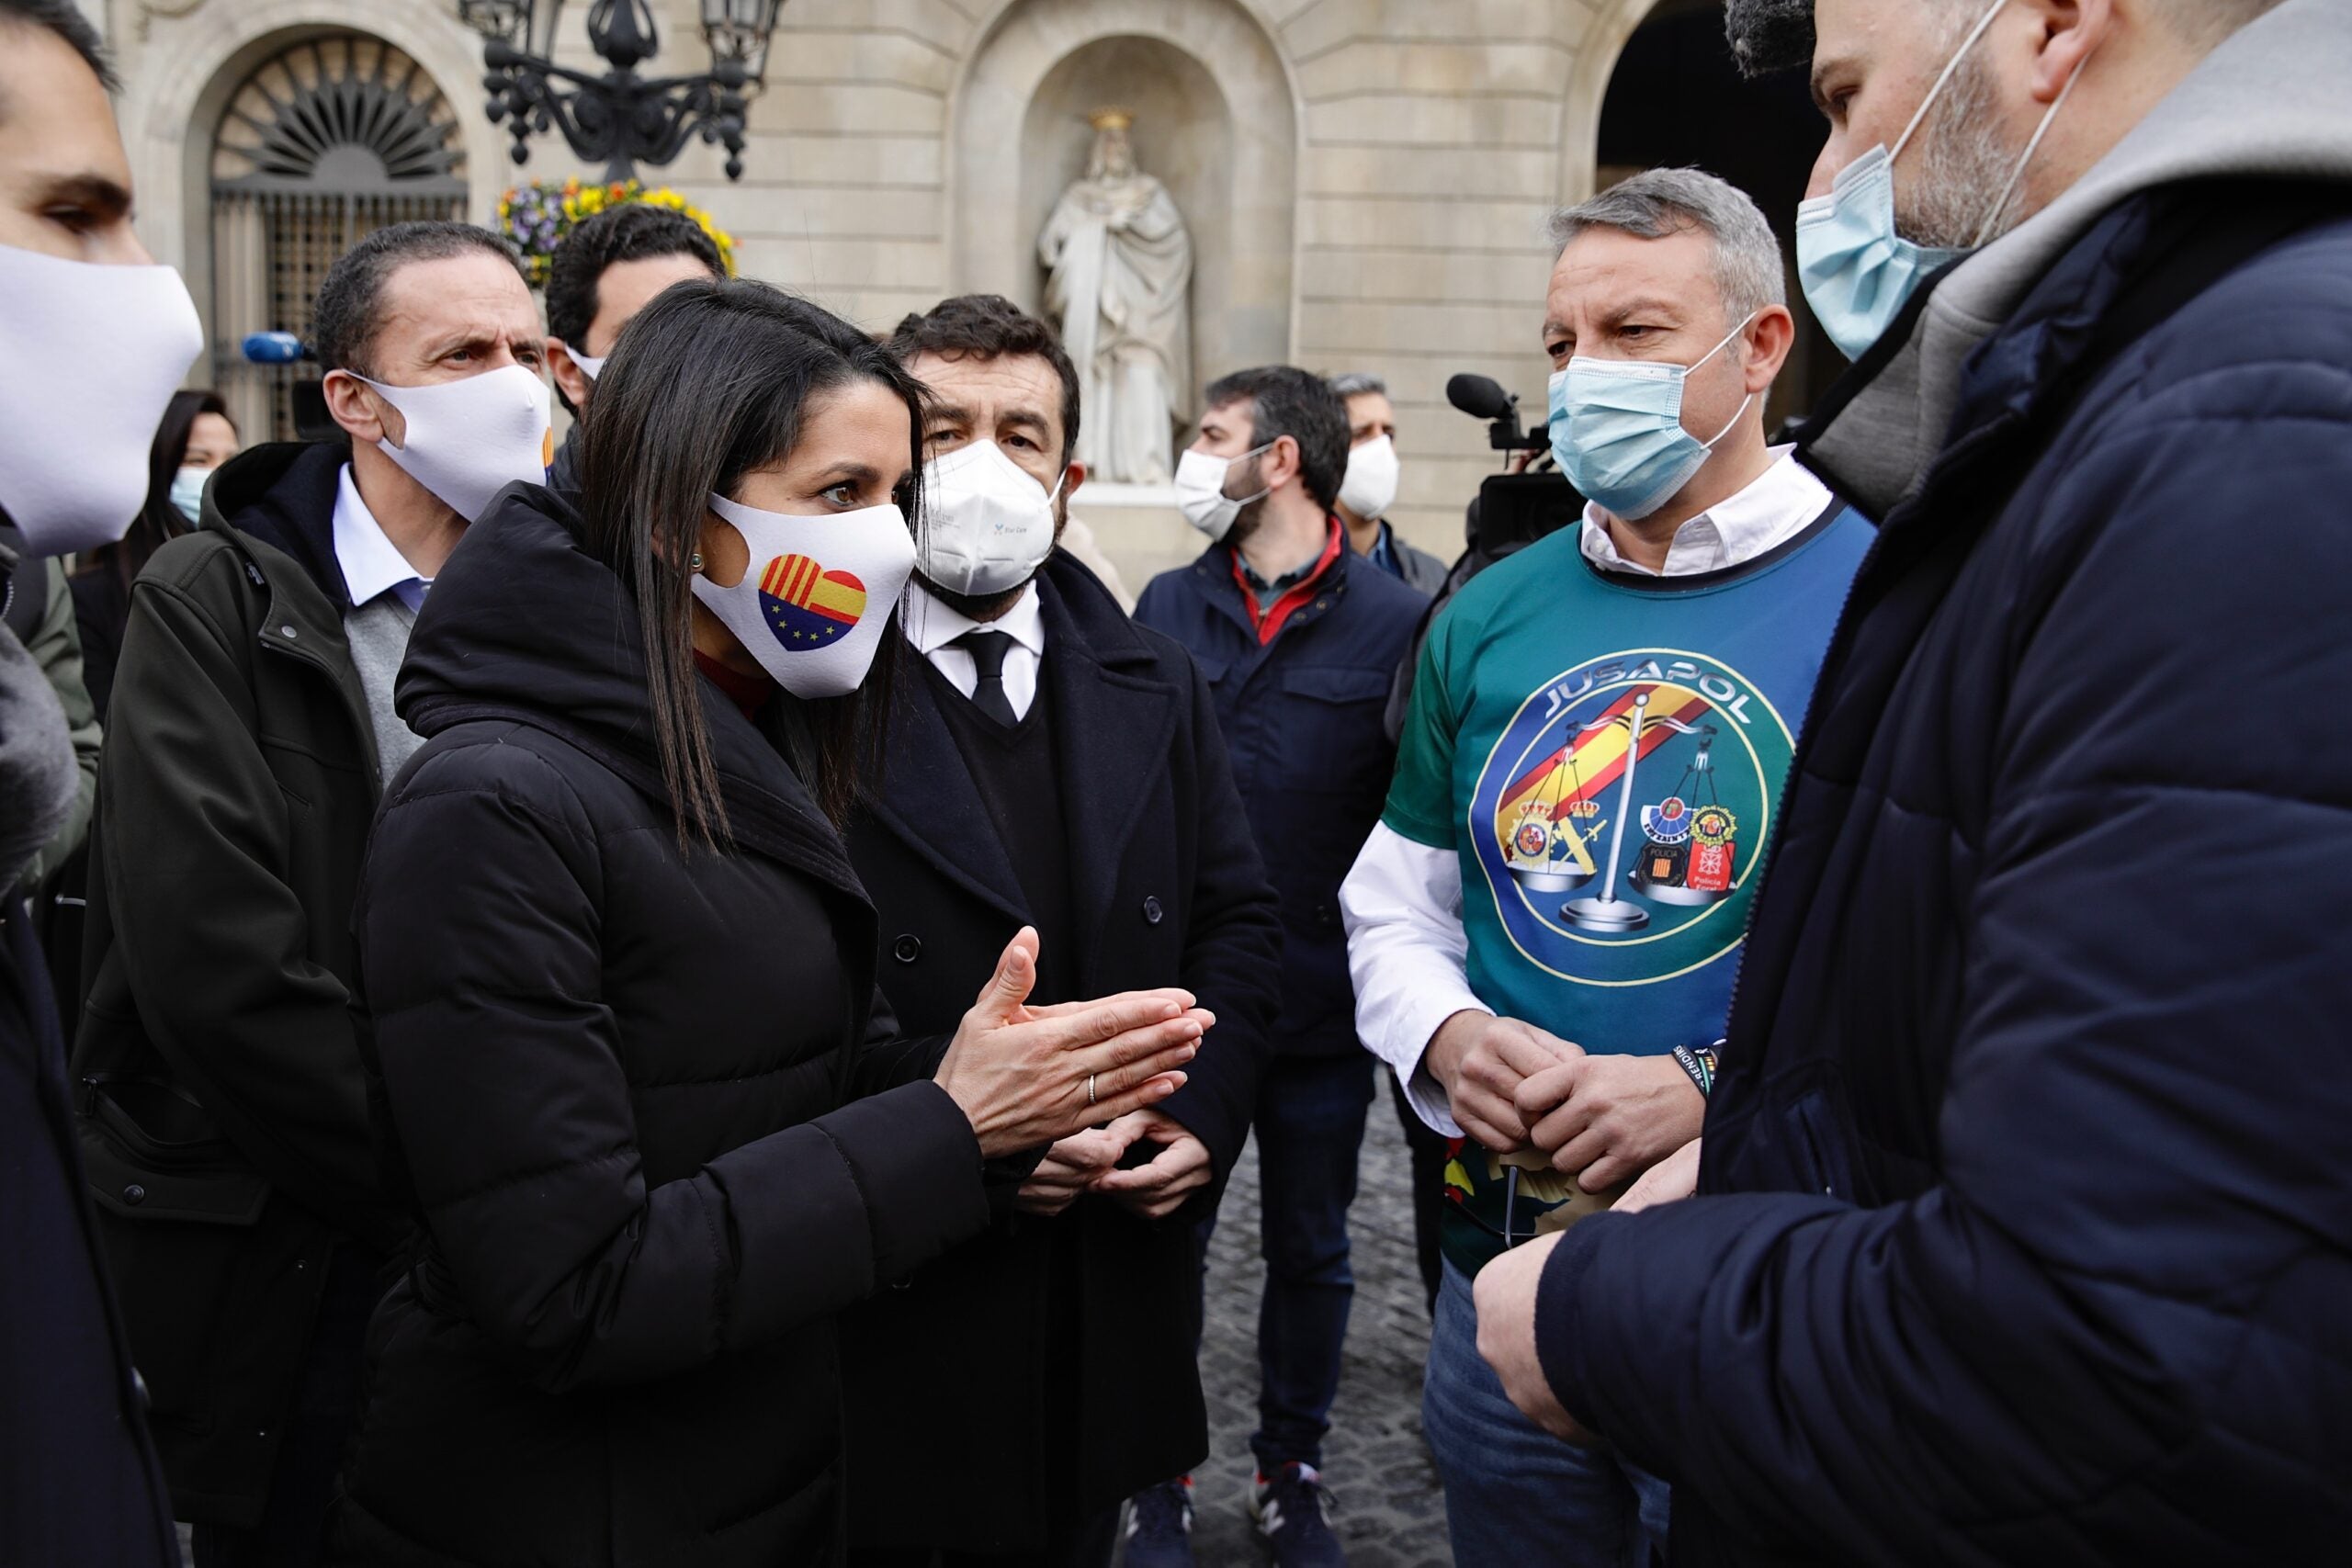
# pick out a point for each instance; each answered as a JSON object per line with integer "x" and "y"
{"x": 2024, "y": 1232}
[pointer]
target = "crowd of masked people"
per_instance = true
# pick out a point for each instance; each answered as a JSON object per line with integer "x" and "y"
{"x": 691, "y": 998}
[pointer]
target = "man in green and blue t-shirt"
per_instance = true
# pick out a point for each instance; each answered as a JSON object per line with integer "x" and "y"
{"x": 1545, "y": 927}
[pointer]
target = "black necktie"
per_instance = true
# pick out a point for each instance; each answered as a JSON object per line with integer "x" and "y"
{"x": 987, "y": 650}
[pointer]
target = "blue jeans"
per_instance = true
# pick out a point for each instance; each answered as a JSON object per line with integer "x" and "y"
{"x": 1515, "y": 1496}
{"x": 1309, "y": 1122}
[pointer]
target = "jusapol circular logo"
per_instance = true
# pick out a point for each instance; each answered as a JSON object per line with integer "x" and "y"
{"x": 1619, "y": 817}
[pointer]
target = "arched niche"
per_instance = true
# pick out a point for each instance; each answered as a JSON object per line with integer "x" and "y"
{"x": 1214, "y": 121}
{"x": 184, "y": 67}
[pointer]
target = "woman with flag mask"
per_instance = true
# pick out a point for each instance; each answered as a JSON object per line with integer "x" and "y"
{"x": 635, "y": 1080}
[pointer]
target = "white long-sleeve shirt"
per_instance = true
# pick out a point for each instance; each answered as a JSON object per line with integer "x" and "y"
{"x": 1407, "y": 954}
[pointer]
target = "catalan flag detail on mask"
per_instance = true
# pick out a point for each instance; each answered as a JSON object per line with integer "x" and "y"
{"x": 806, "y": 606}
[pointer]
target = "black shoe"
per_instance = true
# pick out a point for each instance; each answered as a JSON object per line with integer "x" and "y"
{"x": 1294, "y": 1513}
{"x": 1159, "y": 1525}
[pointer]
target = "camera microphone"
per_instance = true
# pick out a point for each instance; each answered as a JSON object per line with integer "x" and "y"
{"x": 274, "y": 348}
{"x": 1480, "y": 397}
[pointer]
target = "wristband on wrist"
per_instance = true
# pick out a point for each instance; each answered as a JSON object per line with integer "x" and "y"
{"x": 1699, "y": 1064}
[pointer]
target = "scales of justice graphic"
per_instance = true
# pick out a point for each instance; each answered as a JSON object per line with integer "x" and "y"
{"x": 1687, "y": 848}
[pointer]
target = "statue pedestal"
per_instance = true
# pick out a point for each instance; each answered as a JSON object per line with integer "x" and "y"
{"x": 1138, "y": 527}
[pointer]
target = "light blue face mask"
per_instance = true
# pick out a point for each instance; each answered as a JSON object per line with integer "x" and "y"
{"x": 1859, "y": 273}
{"x": 1617, "y": 430}
{"x": 188, "y": 492}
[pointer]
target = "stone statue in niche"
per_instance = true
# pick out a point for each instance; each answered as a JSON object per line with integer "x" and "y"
{"x": 1118, "y": 263}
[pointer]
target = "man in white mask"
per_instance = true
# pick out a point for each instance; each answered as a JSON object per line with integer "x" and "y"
{"x": 1049, "y": 763}
{"x": 93, "y": 336}
{"x": 2020, "y": 1231}
{"x": 1300, "y": 637}
{"x": 606, "y": 270}
{"x": 251, "y": 732}
{"x": 1369, "y": 487}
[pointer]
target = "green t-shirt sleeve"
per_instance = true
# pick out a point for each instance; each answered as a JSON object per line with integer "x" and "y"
{"x": 1420, "y": 800}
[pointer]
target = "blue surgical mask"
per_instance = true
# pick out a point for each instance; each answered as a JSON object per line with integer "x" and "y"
{"x": 1617, "y": 430}
{"x": 1857, "y": 273}
{"x": 188, "y": 492}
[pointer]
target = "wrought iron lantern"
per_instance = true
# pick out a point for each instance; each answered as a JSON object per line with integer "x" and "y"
{"x": 621, "y": 116}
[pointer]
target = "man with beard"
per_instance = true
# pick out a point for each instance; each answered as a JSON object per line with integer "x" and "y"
{"x": 1049, "y": 763}
{"x": 2023, "y": 1230}
{"x": 1298, "y": 637}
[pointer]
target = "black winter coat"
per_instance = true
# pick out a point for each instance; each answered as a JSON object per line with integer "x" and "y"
{"x": 1301, "y": 719}
{"x": 619, "y": 1082}
{"x": 222, "y": 1098}
{"x": 2027, "y": 1226}
{"x": 966, "y": 1377}
{"x": 78, "y": 1480}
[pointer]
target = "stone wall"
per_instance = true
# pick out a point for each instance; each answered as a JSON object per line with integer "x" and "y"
{"x": 1367, "y": 179}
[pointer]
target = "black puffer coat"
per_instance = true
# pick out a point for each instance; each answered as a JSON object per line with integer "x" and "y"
{"x": 620, "y": 1082}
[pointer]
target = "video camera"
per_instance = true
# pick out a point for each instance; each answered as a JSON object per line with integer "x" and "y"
{"x": 1512, "y": 509}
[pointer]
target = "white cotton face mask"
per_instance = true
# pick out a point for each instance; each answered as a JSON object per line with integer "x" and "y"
{"x": 590, "y": 367}
{"x": 988, "y": 525}
{"x": 1370, "y": 488}
{"x": 1200, "y": 490}
{"x": 817, "y": 593}
{"x": 92, "y": 353}
{"x": 467, "y": 440}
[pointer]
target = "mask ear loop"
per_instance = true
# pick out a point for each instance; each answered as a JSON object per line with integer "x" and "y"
{"x": 1942, "y": 81}
{"x": 2026, "y": 161}
{"x": 1736, "y": 418}
{"x": 1243, "y": 457}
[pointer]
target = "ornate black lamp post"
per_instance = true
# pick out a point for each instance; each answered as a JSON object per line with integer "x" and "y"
{"x": 620, "y": 117}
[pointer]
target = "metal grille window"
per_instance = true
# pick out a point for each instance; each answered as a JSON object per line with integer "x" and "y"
{"x": 337, "y": 136}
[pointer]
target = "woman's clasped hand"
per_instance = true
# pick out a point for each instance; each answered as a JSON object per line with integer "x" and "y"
{"x": 1028, "y": 1076}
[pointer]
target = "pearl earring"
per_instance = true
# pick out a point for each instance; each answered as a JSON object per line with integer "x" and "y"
{"x": 693, "y": 562}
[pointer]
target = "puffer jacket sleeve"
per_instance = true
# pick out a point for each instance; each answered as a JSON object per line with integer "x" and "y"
{"x": 2115, "y": 1304}
{"x": 480, "y": 934}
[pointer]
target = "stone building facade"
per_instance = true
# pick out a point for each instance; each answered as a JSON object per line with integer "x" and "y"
{"x": 1366, "y": 181}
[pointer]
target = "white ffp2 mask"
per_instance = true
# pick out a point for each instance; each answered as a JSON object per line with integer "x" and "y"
{"x": 93, "y": 353}
{"x": 1370, "y": 488}
{"x": 817, "y": 593}
{"x": 988, "y": 525}
{"x": 467, "y": 440}
{"x": 1200, "y": 490}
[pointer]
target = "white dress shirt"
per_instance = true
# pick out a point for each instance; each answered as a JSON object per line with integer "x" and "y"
{"x": 1401, "y": 903}
{"x": 933, "y": 628}
{"x": 1773, "y": 510}
{"x": 371, "y": 564}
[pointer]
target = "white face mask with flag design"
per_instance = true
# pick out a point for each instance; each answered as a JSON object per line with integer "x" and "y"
{"x": 817, "y": 593}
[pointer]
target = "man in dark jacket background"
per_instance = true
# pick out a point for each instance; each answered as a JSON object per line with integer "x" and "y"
{"x": 2023, "y": 1233}
{"x": 1298, "y": 637}
{"x": 224, "y": 1111}
{"x": 1369, "y": 488}
{"x": 1052, "y": 764}
{"x": 78, "y": 1479}
{"x": 606, "y": 270}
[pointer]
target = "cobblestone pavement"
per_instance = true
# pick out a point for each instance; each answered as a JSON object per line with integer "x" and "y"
{"x": 1391, "y": 1514}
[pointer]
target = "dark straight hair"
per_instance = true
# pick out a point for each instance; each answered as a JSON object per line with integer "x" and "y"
{"x": 158, "y": 519}
{"x": 709, "y": 382}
